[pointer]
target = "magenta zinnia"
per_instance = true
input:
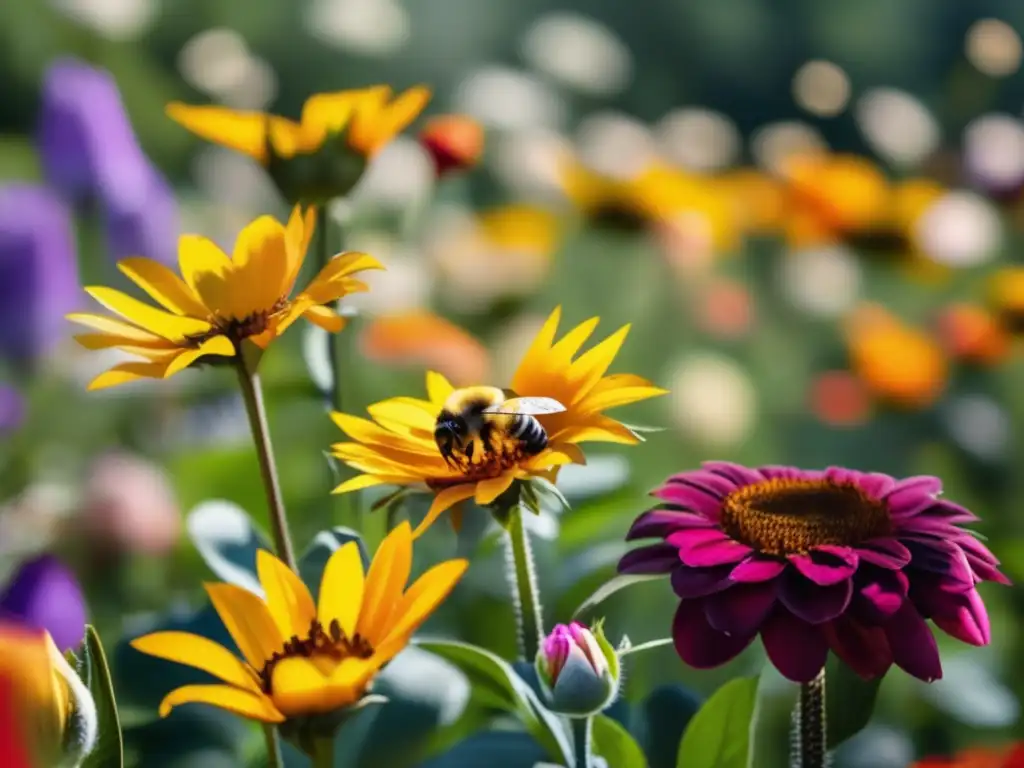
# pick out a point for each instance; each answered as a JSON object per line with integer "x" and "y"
{"x": 815, "y": 560}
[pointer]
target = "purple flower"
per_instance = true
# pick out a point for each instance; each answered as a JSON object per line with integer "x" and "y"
{"x": 815, "y": 560}
{"x": 45, "y": 595}
{"x": 38, "y": 270}
{"x": 145, "y": 225}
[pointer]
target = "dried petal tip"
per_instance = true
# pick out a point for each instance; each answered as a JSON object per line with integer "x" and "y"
{"x": 578, "y": 670}
{"x": 455, "y": 142}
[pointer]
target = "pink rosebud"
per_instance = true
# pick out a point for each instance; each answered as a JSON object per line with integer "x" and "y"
{"x": 578, "y": 669}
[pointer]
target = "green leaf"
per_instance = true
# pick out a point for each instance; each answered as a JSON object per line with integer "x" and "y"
{"x": 545, "y": 487}
{"x": 612, "y": 586}
{"x": 109, "y": 751}
{"x": 227, "y": 541}
{"x": 720, "y": 733}
{"x": 614, "y": 744}
{"x": 849, "y": 701}
{"x": 314, "y": 559}
{"x": 495, "y": 683}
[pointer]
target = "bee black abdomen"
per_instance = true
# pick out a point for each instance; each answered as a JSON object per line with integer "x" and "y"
{"x": 531, "y": 434}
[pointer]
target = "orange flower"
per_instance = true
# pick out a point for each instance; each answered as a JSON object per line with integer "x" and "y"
{"x": 973, "y": 335}
{"x": 978, "y": 757}
{"x": 455, "y": 142}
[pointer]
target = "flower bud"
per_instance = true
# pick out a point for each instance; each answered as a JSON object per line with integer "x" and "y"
{"x": 578, "y": 670}
{"x": 455, "y": 142}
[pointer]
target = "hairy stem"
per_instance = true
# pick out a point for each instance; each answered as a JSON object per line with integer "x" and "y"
{"x": 581, "y": 737}
{"x": 252, "y": 392}
{"x": 811, "y": 724}
{"x": 523, "y": 583}
{"x": 274, "y": 759}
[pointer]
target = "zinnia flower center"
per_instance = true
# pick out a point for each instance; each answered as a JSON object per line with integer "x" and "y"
{"x": 788, "y": 516}
{"x": 324, "y": 648}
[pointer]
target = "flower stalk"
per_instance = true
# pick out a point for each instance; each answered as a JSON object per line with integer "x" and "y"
{"x": 252, "y": 393}
{"x": 274, "y": 759}
{"x": 811, "y": 724}
{"x": 323, "y": 753}
{"x": 523, "y": 583}
{"x": 582, "y": 728}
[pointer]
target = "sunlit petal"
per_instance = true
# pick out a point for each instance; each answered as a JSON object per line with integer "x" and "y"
{"x": 341, "y": 589}
{"x": 251, "y": 705}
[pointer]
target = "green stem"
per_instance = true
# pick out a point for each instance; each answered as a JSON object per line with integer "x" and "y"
{"x": 252, "y": 392}
{"x": 523, "y": 582}
{"x": 323, "y": 753}
{"x": 274, "y": 759}
{"x": 581, "y": 737}
{"x": 811, "y": 724}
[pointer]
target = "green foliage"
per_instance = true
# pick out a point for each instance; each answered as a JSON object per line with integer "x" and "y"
{"x": 719, "y": 735}
{"x": 614, "y": 744}
{"x": 227, "y": 540}
{"x": 109, "y": 750}
{"x": 849, "y": 701}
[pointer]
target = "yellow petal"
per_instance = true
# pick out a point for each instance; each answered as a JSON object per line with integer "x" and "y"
{"x": 163, "y": 285}
{"x": 490, "y": 489}
{"x": 116, "y": 327}
{"x": 341, "y": 589}
{"x": 287, "y": 138}
{"x": 325, "y": 317}
{"x": 374, "y": 126}
{"x": 567, "y": 347}
{"x": 602, "y": 430}
{"x": 199, "y": 652}
{"x": 421, "y": 600}
{"x": 155, "y": 345}
{"x": 537, "y": 351}
{"x": 248, "y": 621}
{"x": 300, "y": 688}
{"x": 250, "y": 705}
{"x": 242, "y": 131}
{"x": 438, "y": 387}
{"x": 616, "y": 397}
{"x": 207, "y": 270}
{"x": 219, "y": 346}
{"x": 442, "y": 501}
{"x": 288, "y": 599}
{"x": 359, "y": 482}
{"x": 405, "y": 414}
{"x": 368, "y": 432}
{"x": 261, "y": 264}
{"x": 298, "y": 233}
{"x": 165, "y": 324}
{"x": 127, "y": 372}
{"x": 591, "y": 366}
{"x": 385, "y": 582}
{"x": 330, "y": 112}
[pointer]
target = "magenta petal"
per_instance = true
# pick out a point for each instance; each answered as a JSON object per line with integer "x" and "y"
{"x": 864, "y": 649}
{"x": 714, "y": 553}
{"x": 737, "y": 473}
{"x": 942, "y": 557}
{"x": 797, "y": 649}
{"x": 812, "y": 602}
{"x": 690, "y": 498}
{"x": 910, "y": 492}
{"x": 885, "y": 553}
{"x": 698, "y": 643}
{"x": 826, "y": 565}
{"x": 757, "y": 568}
{"x": 965, "y": 618}
{"x": 740, "y": 609}
{"x": 951, "y": 513}
{"x": 657, "y": 558}
{"x": 913, "y": 645}
{"x": 698, "y": 582}
{"x": 661, "y": 522}
{"x": 781, "y": 471}
{"x": 874, "y": 484}
{"x": 880, "y": 598}
{"x": 708, "y": 482}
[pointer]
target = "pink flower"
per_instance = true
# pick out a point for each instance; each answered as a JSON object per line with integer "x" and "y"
{"x": 578, "y": 670}
{"x": 815, "y": 560}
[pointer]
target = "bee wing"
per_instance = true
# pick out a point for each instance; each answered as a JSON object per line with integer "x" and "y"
{"x": 531, "y": 406}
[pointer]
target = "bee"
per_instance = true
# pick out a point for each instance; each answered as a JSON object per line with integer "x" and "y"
{"x": 489, "y": 420}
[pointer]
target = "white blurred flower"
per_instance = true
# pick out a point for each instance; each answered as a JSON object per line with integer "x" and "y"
{"x": 509, "y": 99}
{"x": 994, "y": 152}
{"x": 961, "y": 229}
{"x": 615, "y": 144}
{"x": 579, "y": 52}
{"x": 404, "y": 284}
{"x": 713, "y": 399}
{"x": 822, "y": 281}
{"x": 401, "y": 174}
{"x": 994, "y": 47}
{"x": 821, "y": 88}
{"x": 214, "y": 60}
{"x": 897, "y": 126}
{"x": 775, "y": 143}
{"x": 114, "y": 19}
{"x": 698, "y": 139}
{"x": 979, "y": 424}
{"x": 531, "y": 161}
{"x": 369, "y": 27}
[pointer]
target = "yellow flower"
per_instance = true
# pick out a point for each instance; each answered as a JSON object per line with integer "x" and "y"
{"x": 302, "y": 658}
{"x": 43, "y": 690}
{"x": 397, "y": 447}
{"x": 221, "y": 302}
{"x": 364, "y": 119}
{"x": 1006, "y": 297}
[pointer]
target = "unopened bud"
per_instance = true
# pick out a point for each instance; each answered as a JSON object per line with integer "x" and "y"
{"x": 455, "y": 142}
{"x": 578, "y": 670}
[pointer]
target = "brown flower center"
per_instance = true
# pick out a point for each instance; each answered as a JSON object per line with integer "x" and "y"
{"x": 787, "y": 516}
{"x": 238, "y": 330}
{"x": 332, "y": 644}
{"x": 492, "y": 463}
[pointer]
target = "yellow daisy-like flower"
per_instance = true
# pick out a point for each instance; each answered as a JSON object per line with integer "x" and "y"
{"x": 303, "y": 658}
{"x": 364, "y": 119}
{"x": 219, "y": 301}
{"x": 398, "y": 448}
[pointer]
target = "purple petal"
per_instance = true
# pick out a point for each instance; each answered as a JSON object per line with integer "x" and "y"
{"x": 698, "y": 643}
{"x": 659, "y": 523}
{"x": 941, "y": 557}
{"x": 909, "y": 494}
{"x": 884, "y": 552}
{"x": 812, "y": 602}
{"x": 864, "y": 649}
{"x": 690, "y": 498}
{"x": 657, "y": 558}
{"x": 880, "y": 598}
{"x": 741, "y": 609}
{"x": 826, "y": 565}
{"x": 913, "y": 645}
{"x": 874, "y": 484}
{"x": 757, "y": 568}
{"x": 45, "y": 595}
{"x": 704, "y": 550}
{"x": 698, "y": 582}
{"x": 798, "y": 650}
{"x": 737, "y": 473}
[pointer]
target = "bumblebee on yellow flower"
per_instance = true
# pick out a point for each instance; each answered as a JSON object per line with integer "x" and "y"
{"x": 433, "y": 442}
{"x": 303, "y": 658}
{"x": 219, "y": 302}
{"x": 324, "y": 153}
